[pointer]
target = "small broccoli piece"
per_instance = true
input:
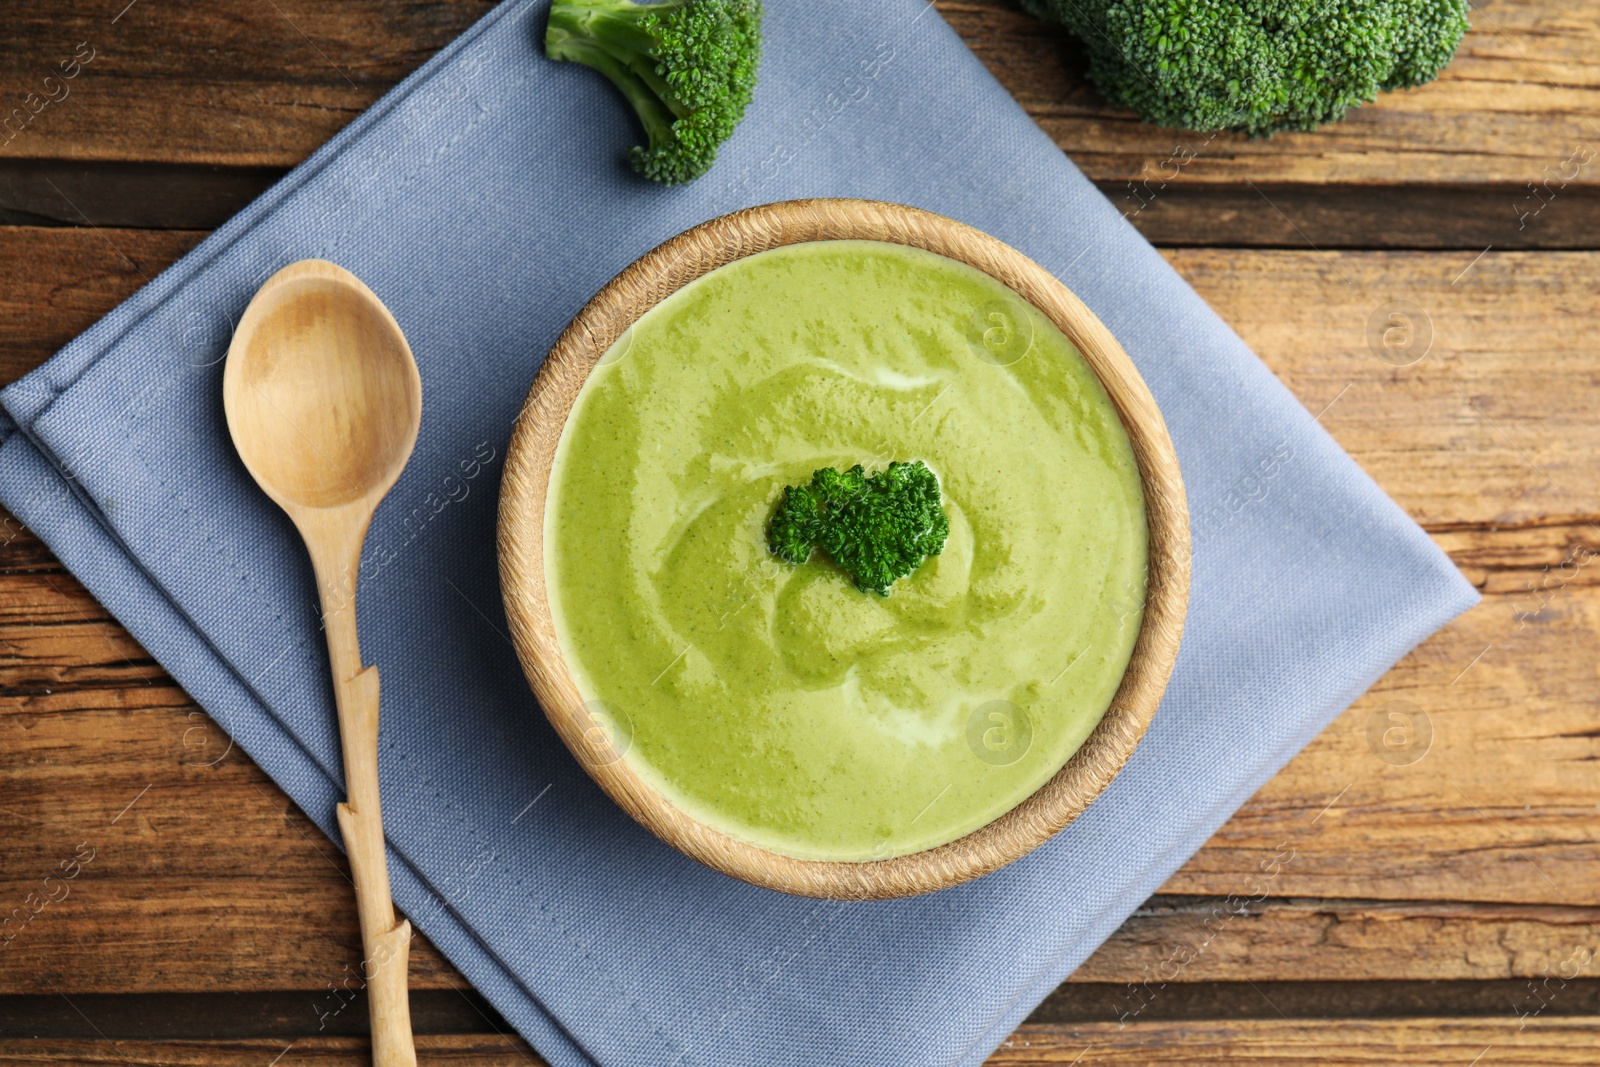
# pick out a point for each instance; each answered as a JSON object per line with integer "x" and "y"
{"x": 876, "y": 528}
{"x": 1257, "y": 66}
{"x": 688, "y": 67}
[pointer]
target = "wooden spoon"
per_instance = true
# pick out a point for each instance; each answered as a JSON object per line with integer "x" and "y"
{"x": 323, "y": 401}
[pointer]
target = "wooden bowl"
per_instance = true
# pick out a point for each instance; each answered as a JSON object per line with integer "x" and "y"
{"x": 521, "y": 545}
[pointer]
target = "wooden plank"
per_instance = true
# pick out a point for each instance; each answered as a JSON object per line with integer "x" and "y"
{"x": 1152, "y": 1000}
{"x": 151, "y": 196}
{"x": 1463, "y": 436}
{"x": 1425, "y": 1042}
{"x": 235, "y": 82}
{"x": 337, "y": 1010}
{"x": 1407, "y": 844}
{"x": 1283, "y": 1042}
{"x": 1178, "y": 939}
{"x": 58, "y": 638}
{"x": 214, "y": 864}
{"x": 1308, "y": 216}
{"x": 125, "y": 930}
{"x": 56, "y": 283}
{"x": 1168, "y": 213}
{"x": 290, "y": 1014}
{"x": 1495, "y": 829}
{"x": 278, "y": 80}
{"x": 484, "y": 1050}
{"x": 1501, "y": 804}
{"x": 66, "y": 666}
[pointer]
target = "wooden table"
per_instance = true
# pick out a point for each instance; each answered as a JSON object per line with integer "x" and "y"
{"x": 1442, "y": 902}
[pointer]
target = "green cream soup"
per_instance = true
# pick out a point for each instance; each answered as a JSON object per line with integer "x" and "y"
{"x": 777, "y": 702}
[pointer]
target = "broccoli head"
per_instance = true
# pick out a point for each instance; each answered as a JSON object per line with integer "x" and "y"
{"x": 876, "y": 528}
{"x": 1257, "y": 66}
{"x": 688, "y": 67}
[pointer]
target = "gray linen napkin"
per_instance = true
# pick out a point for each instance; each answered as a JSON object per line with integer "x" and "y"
{"x": 484, "y": 201}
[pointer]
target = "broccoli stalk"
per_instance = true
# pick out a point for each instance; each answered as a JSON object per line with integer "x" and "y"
{"x": 877, "y": 528}
{"x": 1257, "y": 66}
{"x": 688, "y": 67}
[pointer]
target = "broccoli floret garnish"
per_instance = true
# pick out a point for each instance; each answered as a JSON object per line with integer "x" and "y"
{"x": 876, "y": 528}
{"x": 688, "y": 67}
{"x": 1257, "y": 66}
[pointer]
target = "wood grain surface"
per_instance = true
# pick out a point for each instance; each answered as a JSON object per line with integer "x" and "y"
{"x": 1439, "y": 911}
{"x": 248, "y": 84}
{"x": 183, "y": 114}
{"x": 1425, "y": 1042}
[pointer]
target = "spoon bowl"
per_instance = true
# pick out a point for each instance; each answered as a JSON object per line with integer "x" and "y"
{"x": 323, "y": 395}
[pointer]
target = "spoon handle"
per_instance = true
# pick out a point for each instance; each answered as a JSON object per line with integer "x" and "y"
{"x": 385, "y": 943}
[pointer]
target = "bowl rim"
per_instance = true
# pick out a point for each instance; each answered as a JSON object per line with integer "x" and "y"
{"x": 525, "y": 483}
